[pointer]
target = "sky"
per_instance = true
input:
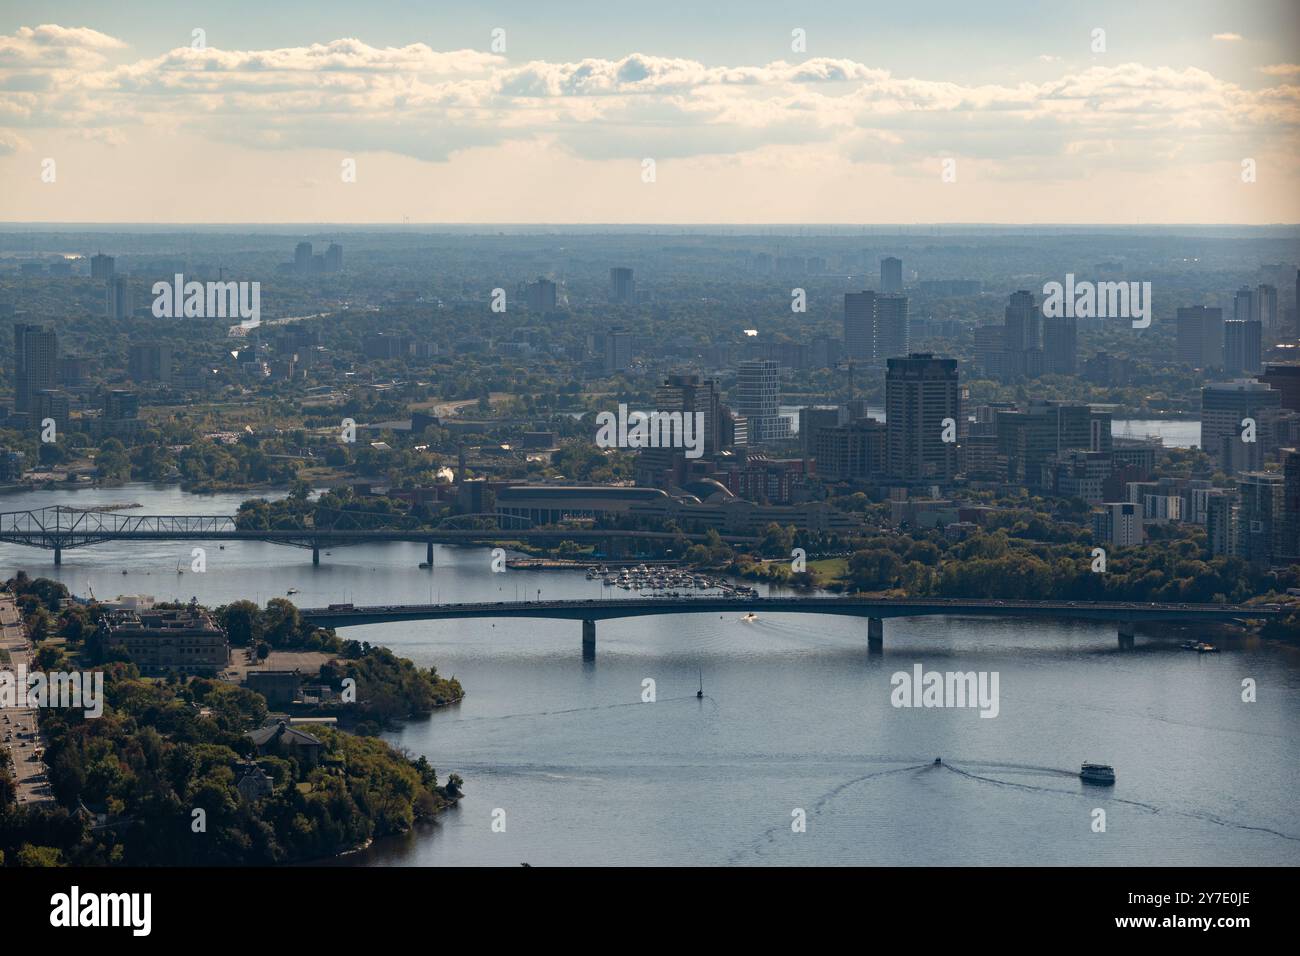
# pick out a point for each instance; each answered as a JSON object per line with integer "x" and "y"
{"x": 663, "y": 112}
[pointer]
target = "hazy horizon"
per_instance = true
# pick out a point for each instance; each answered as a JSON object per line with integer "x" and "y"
{"x": 805, "y": 230}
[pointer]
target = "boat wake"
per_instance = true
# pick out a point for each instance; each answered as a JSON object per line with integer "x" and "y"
{"x": 579, "y": 710}
{"x": 1033, "y": 789}
{"x": 1148, "y": 807}
{"x": 768, "y": 837}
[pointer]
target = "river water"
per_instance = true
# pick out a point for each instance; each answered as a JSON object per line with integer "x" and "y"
{"x": 796, "y": 717}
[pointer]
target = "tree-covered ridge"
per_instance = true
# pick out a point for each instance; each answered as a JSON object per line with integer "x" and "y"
{"x": 163, "y": 750}
{"x": 390, "y": 687}
{"x": 128, "y": 784}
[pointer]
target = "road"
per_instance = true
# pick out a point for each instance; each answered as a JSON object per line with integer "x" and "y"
{"x": 593, "y": 609}
{"x": 19, "y": 731}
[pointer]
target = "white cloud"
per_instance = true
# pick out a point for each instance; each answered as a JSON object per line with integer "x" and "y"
{"x": 427, "y": 104}
{"x": 1227, "y": 37}
{"x": 54, "y": 46}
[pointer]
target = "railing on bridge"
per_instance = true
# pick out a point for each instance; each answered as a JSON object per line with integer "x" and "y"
{"x": 61, "y": 527}
{"x": 70, "y": 526}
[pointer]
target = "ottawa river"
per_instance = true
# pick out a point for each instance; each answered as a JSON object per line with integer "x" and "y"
{"x": 796, "y": 715}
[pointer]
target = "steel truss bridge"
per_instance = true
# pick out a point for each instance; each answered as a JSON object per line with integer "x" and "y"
{"x": 59, "y": 528}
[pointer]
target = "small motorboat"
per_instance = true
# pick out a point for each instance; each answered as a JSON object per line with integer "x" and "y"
{"x": 938, "y": 761}
{"x": 1100, "y": 774}
{"x": 750, "y": 616}
{"x": 291, "y": 591}
{"x": 1204, "y": 648}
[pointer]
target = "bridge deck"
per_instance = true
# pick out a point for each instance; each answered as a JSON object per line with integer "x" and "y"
{"x": 596, "y": 610}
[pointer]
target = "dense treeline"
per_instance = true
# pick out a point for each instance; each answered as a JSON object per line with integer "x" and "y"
{"x": 1020, "y": 555}
{"x": 389, "y": 687}
{"x": 340, "y": 508}
{"x": 995, "y": 564}
{"x": 128, "y": 783}
{"x": 163, "y": 750}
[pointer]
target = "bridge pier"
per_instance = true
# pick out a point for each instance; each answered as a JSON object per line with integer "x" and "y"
{"x": 588, "y": 640}
{"x": 315, "y": 554}
{"x": 58, "y": 556}
{"x": 1126, "y": 637}
{"x": 875, "y": 635}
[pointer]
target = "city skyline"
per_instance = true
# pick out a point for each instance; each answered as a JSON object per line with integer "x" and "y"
{"x": 589, "y": 435}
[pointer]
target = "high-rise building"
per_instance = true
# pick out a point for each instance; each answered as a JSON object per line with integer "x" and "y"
{"x": 758, "y": 388}
{"x": 622, "y": 287}
{"x": 1023, "y": 323}
{"x": 990, "y": 355}
{"x": 1118, "y": 523}
{"x": 1285, "y": 379}
{"x": 1244, "y": 307}
{"x": 540, "y": 295}
{"x": 149, "y": 362}
{"x": 1060, "y": 345}
{"x": 302, "y": 258}
{"x": 1200, "y": 337}
{"x": 891, "y": 334}
{"x": 1028, "y": 438}
{"x": 1016, "y": 349}
{"x": 334, "y": 258}
{"x": 117, "y": 298}
{"x": 735, "y": 430}
{"x": 891, "y": 275}
{"x": 812, "y": 418}
{"x": 859, "y": 325}
{"x": 101, "y": 267}
{"x": 1288, "y": 543}
{"x": 690, "y": 393}
{"x": 921, "y": 392}
{"x": 853, "y": 451}
{"x": 1266, "y": 308}
{"x": 1221, "y": 522}
{"x": 618, "y": 350}
{"x": 52, "y": 403}
{"x": 1242, "y": 347}
{"x": 1077, "y": 474}
{"x": 1260, "y": 516}
{"x": 1224, "y": 408}
{"x": 875, "y": 326}
{"x": 36, "y": 364}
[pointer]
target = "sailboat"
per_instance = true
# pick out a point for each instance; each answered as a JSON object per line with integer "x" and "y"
{"x": 699, "y": 694}
{"x": 179, "y": 569}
